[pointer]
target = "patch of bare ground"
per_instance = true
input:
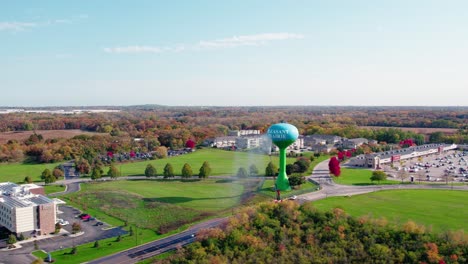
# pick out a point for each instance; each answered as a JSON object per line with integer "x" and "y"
{"x": 47, "y": 134}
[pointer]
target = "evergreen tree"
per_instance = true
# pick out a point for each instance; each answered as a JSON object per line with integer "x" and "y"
{"x": 46, "y": 173}
{"x": 253, "y": 170}
{"x": 113, "y": 171}
{"x": 150, "y": 171}
{"x": 271, "y": 169}
{"x": 28, "y": 179}
{"x": 96, "y": 173}
{"x": 187, "y": 171}
{"x": 205, "y": 170}
{"x": 241, "y": 173}
{"x": 168, "y": 171}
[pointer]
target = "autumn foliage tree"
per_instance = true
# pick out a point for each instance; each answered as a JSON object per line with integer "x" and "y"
{"x": 190, "y": 144}
{"x": 334, "y": 166}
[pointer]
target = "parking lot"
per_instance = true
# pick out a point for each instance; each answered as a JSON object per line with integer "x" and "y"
{"x": 449, "y": 167}
{"x": 92, "y": 232}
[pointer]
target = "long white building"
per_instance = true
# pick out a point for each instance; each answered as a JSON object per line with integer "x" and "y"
{"x": 374, "y": 160}
{"x": 24, "y": 210}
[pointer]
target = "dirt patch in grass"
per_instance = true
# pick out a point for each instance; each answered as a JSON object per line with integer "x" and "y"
{"x": 47, "y": 134}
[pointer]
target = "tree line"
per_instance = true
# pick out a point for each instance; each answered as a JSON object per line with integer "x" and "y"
{"x": 287, "y": 232}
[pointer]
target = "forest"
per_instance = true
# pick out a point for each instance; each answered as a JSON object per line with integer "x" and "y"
{"x": 287, "y": 232}
{"x": 173, "y": 127}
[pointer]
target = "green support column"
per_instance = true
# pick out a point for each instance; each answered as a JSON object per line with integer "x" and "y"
{"x": 282, "y": 181}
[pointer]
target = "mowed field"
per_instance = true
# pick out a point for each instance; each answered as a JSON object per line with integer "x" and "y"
{"x": 64, "y": 133}
{"x": 222, "y": 162}
{"x": 439, "y": 210}
{"x": 358, "y": 177}
{"x": 16, "y": 172}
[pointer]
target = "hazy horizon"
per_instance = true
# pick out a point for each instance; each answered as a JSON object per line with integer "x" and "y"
{"x": 244, "y": 53}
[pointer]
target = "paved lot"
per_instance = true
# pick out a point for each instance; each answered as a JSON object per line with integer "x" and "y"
{"x": 434, "y": 168}
{"x": 91, "y": 233}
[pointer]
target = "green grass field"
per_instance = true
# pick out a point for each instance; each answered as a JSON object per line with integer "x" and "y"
{"x": 54, "y": 188}
{"x": 16, "y": 172}
{"x": 268, "y": 185}
{"x": 358, "y": 177}
{"x": 222, "y": 162}
{"x": 438, "y": 209}
{"x": 87, "y": 252}
{"x": 155, "y": 203}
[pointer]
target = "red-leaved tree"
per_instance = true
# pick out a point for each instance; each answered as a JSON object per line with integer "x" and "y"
{"x": 190, "y": 144}
{"x": 334, "y": 166}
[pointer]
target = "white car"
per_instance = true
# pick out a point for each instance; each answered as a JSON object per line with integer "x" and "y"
{"x": 62, "y": 222}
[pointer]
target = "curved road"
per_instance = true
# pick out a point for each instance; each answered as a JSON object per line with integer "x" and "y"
{"x": 321, "y": 176}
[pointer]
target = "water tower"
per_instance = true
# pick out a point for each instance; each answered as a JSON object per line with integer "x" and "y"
{"x": 282, "y": 135}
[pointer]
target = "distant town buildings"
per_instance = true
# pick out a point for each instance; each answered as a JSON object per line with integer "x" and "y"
{"x": 59, "y": 111}
{"x": 25, "y": 209}
{"x": 375, "y": 160}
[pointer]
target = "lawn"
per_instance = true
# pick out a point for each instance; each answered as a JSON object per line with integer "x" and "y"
{"x": 222, "y": 162}
{"x": 438, "y": 209}
{"x": 16, "y": 172}
{"x": 358, "y": 177}
{"x": 87, "y": 252}
{"x": 54, "y": 188}
{"x": 157, "y": 204}
{"x": 268, "y": 185}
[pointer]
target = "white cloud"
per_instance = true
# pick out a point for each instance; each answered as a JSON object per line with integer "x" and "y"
{"x": 20, "y": 26}
{"x": 248, "y": 40}
{"x": 16, "y": 26}
{"x": 134, "y": 49}
{"x": 235, "y": 41}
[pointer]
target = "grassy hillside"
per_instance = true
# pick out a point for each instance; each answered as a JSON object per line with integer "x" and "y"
{"x": 439, "y": 209}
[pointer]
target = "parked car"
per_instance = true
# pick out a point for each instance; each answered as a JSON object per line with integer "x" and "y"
{"x": 85, "y": 216}
{"x": 99, "y": 223}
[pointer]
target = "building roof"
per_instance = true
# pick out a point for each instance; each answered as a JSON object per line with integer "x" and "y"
{"x": 14, "y": 195}
{"x": 406, "y": 151}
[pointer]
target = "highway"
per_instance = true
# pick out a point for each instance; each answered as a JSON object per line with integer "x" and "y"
{"x": 157, "y": 247}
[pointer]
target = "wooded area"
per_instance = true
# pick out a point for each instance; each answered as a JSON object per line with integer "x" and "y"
{"x": 289, "y": 233}
{"x": 173, "y": 127}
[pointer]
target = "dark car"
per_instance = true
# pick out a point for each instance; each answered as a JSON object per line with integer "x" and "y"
{"x": 99, "y": 223}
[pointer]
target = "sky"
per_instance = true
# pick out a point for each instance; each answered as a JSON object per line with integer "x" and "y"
{"x": 234, "y": 53}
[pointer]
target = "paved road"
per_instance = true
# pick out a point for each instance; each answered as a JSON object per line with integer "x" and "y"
{"x": 158, "y": 247}
{"x": 328, "y": 188}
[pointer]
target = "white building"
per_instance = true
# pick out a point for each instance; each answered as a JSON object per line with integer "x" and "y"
{"x": 374, "y": 160}
{"x": 22, "y": 210}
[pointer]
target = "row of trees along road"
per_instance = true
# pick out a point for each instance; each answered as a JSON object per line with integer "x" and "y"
{"x": 168, "y": 171}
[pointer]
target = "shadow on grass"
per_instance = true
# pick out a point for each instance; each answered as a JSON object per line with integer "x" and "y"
{"x": 225, "y": 181}
{"x": 160, "y": 179}
{"x": 379, "y": 184}
{"x": 179, "y": 199}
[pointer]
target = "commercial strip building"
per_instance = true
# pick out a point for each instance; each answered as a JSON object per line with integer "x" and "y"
{"x": 375, "y": 160}
{"x": 25, "y": 209}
